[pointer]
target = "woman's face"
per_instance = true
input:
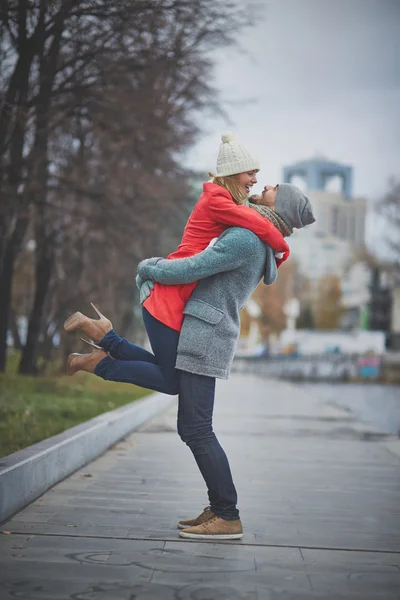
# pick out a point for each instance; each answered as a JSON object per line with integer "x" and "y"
{"x": 268, "y": 196}
{"x": 247, "y": 180}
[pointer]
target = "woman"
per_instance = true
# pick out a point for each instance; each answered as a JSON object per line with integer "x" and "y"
{"x": 221, "y": 205}
{"x": 237, "y": 262}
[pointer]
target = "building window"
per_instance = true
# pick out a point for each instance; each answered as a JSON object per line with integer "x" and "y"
{"x": 335, "y": 220}
{"x": 352, "y": 227}
{"x": 344, "y": 227}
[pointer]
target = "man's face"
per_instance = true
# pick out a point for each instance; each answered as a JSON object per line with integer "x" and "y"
{"x": 268, "y": 196}
{"x": 246, "y": 180}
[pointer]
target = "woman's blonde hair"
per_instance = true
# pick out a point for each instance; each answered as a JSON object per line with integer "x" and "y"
{"x": 230, "y": 183}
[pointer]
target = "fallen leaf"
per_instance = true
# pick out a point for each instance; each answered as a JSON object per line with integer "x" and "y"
{"x": 88, "y": 475}
{"x": 6, "y": 532}
{"x": 131, "y": 443}
{"x": 19, "y": 555}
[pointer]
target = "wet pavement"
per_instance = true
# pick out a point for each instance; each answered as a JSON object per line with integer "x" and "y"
{"x": 375, "y": 403}
{"x": 319, "y": 495}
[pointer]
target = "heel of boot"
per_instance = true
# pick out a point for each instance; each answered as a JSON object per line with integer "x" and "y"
{"x": 90, "y": 343}
{"x": 99, "y": 314}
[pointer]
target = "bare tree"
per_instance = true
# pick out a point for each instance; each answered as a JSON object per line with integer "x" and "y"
{"x": 97, "y": 99}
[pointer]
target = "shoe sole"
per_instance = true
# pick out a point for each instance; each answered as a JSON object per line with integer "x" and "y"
{"x": 68, "y": 325}
{"x": 225, "y": 536}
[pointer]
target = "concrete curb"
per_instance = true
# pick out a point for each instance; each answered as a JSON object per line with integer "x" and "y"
{"x": 27, "y": 474}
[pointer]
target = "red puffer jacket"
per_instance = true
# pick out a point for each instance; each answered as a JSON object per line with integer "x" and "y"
{"x": 214, "y": 212}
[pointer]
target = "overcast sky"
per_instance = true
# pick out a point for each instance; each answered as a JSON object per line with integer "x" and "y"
{"x": 314, "y": 76}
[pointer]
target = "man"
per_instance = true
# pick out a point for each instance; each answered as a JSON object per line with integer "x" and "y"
{"x": 229, "y": 271}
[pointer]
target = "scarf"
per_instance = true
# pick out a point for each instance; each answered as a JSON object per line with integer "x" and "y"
{"x": 273, "y": 217}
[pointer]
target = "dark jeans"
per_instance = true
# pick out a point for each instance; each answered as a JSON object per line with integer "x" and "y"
{"x": 195, "y": 413}
{"x": 133, "y": 364}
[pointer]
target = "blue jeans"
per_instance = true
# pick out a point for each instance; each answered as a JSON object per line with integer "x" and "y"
{"x": 133, "y": 364}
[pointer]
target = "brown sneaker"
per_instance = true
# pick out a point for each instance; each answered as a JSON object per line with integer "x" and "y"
{"x": 215, "y": 529}
{"x": 205, "y": 516}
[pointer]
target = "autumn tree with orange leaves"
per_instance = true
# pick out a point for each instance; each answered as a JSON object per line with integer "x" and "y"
{"x": 327, "y": 304}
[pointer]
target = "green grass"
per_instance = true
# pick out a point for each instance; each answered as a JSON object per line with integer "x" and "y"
{"x": 35, "y": 408}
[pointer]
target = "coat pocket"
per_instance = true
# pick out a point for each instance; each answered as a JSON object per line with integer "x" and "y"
{"x": 198, "y": 328}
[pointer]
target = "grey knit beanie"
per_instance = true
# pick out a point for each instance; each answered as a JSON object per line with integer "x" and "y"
{"x": 293, "y": 206}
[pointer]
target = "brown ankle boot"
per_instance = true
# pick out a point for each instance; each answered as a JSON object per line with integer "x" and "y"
{"x": 84, "y": 362}
{"x": 96, "y": 329}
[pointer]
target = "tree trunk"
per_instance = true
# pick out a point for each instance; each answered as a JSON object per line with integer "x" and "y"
{"x": 45, "y": 249}
{"x": 44, "y": 268}
{"x": 11, "y": 175}
{"x": 13, "y": 118}
{"x": 6, "y": 277}
{"x": 12, "y": 239}
{"x": 14, "y": 330}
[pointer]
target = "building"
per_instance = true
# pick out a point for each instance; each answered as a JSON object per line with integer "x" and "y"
{"x": 325, "y": 247}
{"x": 319, "y": 254}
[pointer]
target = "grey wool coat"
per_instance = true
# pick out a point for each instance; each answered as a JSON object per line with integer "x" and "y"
{"x": 228, "y": 272}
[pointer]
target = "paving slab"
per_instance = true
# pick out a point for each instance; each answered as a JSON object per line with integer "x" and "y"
{"x": 319, "y": 495}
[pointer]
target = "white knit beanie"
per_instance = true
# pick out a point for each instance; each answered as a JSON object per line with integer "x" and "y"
{"x": 233, "y": 157}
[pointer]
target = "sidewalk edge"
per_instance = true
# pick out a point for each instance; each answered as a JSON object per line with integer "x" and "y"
{"x": 27, "y": 474}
